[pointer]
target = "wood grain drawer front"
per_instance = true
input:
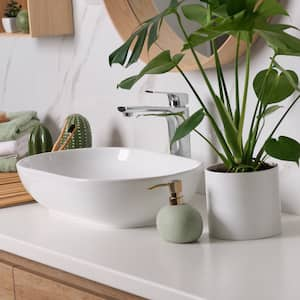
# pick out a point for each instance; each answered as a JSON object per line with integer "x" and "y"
{"x": 29, "y": 286}
{"x": 6, "y": 282}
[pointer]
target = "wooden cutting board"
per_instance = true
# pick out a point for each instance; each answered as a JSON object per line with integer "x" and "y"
{"x": 12, "y": 191}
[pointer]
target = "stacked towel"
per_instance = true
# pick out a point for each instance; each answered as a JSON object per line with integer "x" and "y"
{"x": 18, "y": 124}
{"x": 8, "y": 163}
{"x": 18, "y": 147}
{"x": 14, "y": 136}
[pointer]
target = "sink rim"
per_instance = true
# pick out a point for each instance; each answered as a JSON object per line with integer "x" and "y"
{"x": 20, "y": 165}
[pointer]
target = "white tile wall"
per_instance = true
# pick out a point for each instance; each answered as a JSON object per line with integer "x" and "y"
{"x": 59, "y": 76}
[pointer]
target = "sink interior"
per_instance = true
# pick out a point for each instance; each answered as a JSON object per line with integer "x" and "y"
{"x": 109, "y": 164}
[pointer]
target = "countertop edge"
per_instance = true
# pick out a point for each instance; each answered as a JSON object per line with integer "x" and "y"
{"x": 96, "y": 273}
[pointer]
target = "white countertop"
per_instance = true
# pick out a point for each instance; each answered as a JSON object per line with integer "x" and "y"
{"x": 139, "y": 262}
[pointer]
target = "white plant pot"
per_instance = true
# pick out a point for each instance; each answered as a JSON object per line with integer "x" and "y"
{"x": 289, "y": 188}
{"x": 243, "y": 206}
{"x": 10, "y": 25}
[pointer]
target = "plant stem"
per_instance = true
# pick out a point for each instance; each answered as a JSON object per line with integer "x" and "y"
{"x": 211, "y": 119}
{"x": 194, "y": 91}
{"x": 223, "y": 158}
{"x": 261, "y": 151}
{"x": 252, "y": 137}
{"x": 217, "y": 61}
{"x": 212, "y": 44}
{"x": 201, "y": 69}
{"x": 237, "y": 88}
{"x": 259, "y": 133}
{"x": 217, "y": 101}
{"x": 245, "y": 96}
{"x": 221, "y": 80}
{"x": 220, "y": 155}
{"x": 226, "y": 92}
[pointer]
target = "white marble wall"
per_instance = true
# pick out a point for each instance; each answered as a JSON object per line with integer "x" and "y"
{"x": 59, "y": 76}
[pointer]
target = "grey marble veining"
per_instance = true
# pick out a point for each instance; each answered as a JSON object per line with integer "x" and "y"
{"x": 62, "y": 75}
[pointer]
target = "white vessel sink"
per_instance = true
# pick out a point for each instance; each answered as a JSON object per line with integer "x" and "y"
{"x": 108, "y": 186}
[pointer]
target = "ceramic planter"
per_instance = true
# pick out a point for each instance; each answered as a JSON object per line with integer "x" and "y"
{"x": 10, "y": 25}
{"x": 289, "y": 188}
{"x": 243, "y": 206}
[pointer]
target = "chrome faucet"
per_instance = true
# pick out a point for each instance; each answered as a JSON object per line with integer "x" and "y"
{"x": 177, "y": 105}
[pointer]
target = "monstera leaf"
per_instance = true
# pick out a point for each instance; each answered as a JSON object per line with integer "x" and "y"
{"x": 148, "y": 31}
{"x": 162, "y": 63}
{"x": 284, "y": 148}
{"x": 270, "y": 86}
{"x": 188, "y": 125}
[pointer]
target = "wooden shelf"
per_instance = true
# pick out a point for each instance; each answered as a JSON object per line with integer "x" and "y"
{"x": 17, "y": 34}
{"x": 46, "y": 18}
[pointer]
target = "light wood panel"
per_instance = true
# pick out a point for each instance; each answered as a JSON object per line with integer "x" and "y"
{"x": 10, "y": 188}
{"x": 50, "y": 17}
{"x": 29, "y": 286}
{"x": 7, "y": 177}
{"x": 66, "y": 279}
{"x": 6, "y": 282}
{"x": 128, "y": 14}
{"x": 12, "y": 191}
{"x": 17, "y": 199}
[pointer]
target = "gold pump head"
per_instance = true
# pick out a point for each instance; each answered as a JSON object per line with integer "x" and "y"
{"x": 175, "y": 187}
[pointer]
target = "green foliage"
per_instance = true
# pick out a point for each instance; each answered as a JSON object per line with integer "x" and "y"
{"x": 196, "y": 12}
{"x": 162, "y": 63}
{"x": 269, "y": 110}
{"x": 281, "y": 42}
{"x": 137, "y": 39}
{"x": 242, "y": 19}
{"x": 188, "y": 125}
{"x": 276, "y": 87}
{"x": 284, "y": 148}
{"x": 270, "y": 8}
{"x": 12, "y": 9}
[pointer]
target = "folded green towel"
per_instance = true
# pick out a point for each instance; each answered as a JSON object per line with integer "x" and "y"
{"x": 19, "y": 122}
{"x": 8, "y": 164}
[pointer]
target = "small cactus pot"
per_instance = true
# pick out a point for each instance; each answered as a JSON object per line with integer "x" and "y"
{"x": 83, "y": 135}
{"x": 40, "y": 140}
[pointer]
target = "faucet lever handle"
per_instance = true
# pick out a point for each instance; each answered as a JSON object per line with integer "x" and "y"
{"x": 175, "y": 99}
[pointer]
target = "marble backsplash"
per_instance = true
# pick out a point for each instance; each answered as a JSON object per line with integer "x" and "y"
{"x": 63, "y": 75}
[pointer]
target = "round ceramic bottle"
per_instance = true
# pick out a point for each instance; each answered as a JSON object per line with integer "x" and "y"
{"x": 178, "y": 222}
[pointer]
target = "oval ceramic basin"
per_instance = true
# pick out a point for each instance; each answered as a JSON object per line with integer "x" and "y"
{"x": 106, "y": 185}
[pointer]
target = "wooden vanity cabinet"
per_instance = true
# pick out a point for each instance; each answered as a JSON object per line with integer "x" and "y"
{"x": 30, "y": 286}
{"x": 6, "y": 282}
{"x": 22, "y": 279}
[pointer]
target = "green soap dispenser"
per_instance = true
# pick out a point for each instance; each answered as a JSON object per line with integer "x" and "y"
{"x": 178, "y": 222}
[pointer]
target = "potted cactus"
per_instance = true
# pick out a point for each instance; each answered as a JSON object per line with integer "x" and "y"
{"x": 10, "y": 16}
{"x": 242, "y": 190}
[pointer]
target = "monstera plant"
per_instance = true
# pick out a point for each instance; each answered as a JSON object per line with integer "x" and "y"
{"x": 243, "y": 19}
{"x": 241, "y": 149}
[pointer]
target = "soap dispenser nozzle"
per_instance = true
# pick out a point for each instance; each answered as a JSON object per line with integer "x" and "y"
{"x": 175, "y": 187}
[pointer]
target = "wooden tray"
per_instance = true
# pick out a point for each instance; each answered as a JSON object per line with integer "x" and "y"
{"x": 12, "y": 191}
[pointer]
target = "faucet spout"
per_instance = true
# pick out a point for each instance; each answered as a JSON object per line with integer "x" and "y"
{"x": 130, "y": 111}
{"x": 172, "y": 114}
